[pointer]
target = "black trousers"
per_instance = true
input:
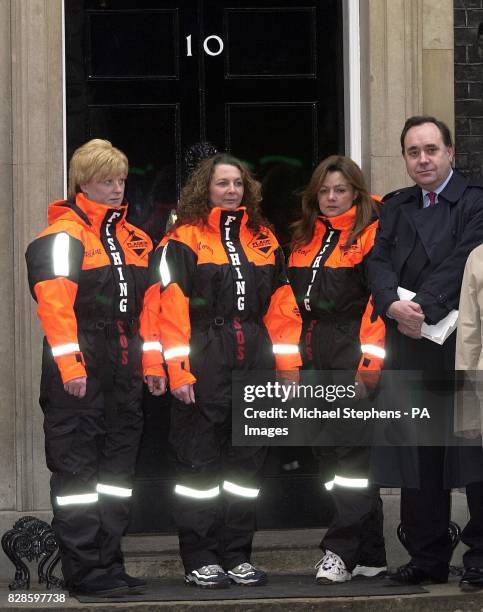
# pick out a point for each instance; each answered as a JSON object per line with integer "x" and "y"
{"x": 217, "y": 529}
{"x": 425, "y": 515}
{"x": 426, "y": 512}
{"x": 356, "y": 530}
{"x": 91, "y": 446}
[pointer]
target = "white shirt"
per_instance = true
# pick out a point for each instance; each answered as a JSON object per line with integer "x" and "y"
{"x": 437, "y": 191}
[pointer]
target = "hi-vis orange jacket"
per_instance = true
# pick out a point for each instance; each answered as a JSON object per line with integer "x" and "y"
{"x": 220, "y": 275}
{"x": 88, "y": 267}
{"x": 330, "y": 285}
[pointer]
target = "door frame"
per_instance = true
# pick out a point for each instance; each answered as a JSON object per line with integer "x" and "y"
{"x": 352, "y": 80}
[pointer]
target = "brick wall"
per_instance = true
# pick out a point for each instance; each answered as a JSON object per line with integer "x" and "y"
{"x": 468, "y": 40}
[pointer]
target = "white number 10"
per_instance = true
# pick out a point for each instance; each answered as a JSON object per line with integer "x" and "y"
{"x": 208, "y": 51}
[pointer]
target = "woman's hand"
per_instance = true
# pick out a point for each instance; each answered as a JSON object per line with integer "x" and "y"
{"x": 184, "y": 394}
{"x": 156, "y": 384}
{"x": 366, "y": 382}
{"x": 76, "y": 387}
{"x": 361, "y": 391}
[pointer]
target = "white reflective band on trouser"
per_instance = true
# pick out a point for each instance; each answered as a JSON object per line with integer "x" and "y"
{"x": 372, "y": 349}
{"x": 70, "y": 500}
{"x": 231, "y": 487}
{"x": 60, "y": 254}
{"x": 351, "y": 483}
{"x": 115, "y": 491}
{"x": 152, "y": 346}
{"x": 285, "y": 349}
{"x": 163, "y": 268}
{"x": 178, "y": 351}
{"x": 197, "y": 493}
{"x": 65, "y": 349}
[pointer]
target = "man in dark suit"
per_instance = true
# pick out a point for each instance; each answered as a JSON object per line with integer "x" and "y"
{"x": 425, "y": 236}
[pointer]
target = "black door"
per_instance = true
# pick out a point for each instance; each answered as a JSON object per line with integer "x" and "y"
{"x": 262, "y": 80}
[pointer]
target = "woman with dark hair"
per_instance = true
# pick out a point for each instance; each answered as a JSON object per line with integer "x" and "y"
{"x": 88, "y": 272}
{"x": 327, "y": 269}
{"x": 219, "y": 300}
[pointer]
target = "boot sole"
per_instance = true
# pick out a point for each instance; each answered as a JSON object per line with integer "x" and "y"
{"x": 470, "y": 588}
{"x": 323, "y": 580}
{"x": 192, "y": 583}
{"x": 137, "y": 590}
{"x": 252, "y": 583}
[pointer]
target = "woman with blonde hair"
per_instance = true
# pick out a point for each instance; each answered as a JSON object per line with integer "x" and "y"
{"x": 219, "y": 301}
{"x": 88, "y": 273}
{"x": 327, "y": 269}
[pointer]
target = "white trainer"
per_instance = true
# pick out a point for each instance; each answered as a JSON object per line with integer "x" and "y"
{"x": 330, "y": 569}
{"x": 369, "y": 571}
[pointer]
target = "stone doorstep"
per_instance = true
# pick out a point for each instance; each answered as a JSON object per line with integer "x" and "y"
{"x": 281, "y": 552}
{"x": 277, "y": 551}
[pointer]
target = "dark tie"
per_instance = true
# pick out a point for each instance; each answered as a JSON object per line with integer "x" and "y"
{"x": 432, "y": 198}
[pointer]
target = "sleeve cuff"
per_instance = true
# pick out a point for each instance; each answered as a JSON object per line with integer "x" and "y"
{"x": 179, "y": 377}
{"x": 369, "y": 370}
{"x": 284, "y": 363}
{"x": 71, "y": 366}
{"x": 433, "y": 312}
{"x": 153, "y": 364}
{"x": 155, "y": 370}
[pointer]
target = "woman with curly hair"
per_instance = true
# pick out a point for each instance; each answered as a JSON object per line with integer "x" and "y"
{"x": 219, "y": 300}
{"x": 327, "y": 268}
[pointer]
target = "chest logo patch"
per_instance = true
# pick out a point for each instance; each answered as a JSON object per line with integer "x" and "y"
{"x": 136, "y": 243}
{"x": 262, "y": 244}
{"x": 354, "y": 252}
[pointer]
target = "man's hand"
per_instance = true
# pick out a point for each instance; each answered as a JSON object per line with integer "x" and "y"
{"x": 76, "y": 387}
{"x": 409, "y": 331}
{"x": 409, "y": 315}
{"x": 184, "y": 394}
{"x": 156, "y": 384}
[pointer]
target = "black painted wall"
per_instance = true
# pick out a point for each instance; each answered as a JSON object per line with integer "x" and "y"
{"x": 468, "y": 40}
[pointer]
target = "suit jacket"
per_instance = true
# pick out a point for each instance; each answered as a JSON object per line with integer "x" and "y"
{"x": 441, "y": 239}
{"x": 455, "y": 229}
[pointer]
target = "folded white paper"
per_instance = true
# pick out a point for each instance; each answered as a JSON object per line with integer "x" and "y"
{"x": 436, "y": 333}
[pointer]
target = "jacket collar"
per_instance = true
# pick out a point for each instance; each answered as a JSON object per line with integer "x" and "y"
{"x": 95, "y": 212}
{"x": 451, "y": 193}
{"x": 455, "y": 188}
{"x": 216, "y": 214}
{"x": 343, "y": 222}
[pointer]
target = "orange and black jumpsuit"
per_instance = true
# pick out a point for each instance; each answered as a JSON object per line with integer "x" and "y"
{"x": 219, "y": 300}
{"x": 88, "y": 272}
{"x": 332, "y": 292}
